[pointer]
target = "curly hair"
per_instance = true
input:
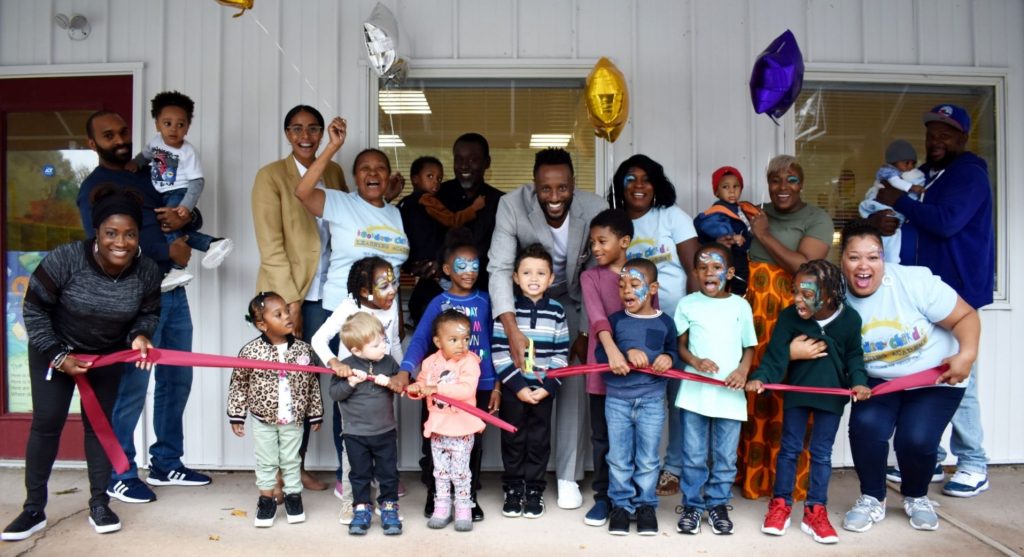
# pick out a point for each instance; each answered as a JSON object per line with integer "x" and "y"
{"x": 664, "y": 191}
{"x": 421, "y": 162}
{"x": 257, "y": 304}
{"x": 360, "y": 275}
{"x": 172, "y": 98}
{"x": 830, "y": 279}
{"x": 856, "y": 229}
{"x": 456, "y": 239}
{"x": 449, "y": 316}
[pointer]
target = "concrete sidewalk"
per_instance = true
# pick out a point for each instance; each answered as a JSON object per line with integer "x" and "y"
{"x": 217, "y": 520}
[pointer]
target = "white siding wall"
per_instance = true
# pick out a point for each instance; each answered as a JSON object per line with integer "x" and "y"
{"x": 687, "y": 64}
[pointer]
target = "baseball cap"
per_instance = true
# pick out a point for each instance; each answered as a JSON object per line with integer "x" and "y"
{"x": 951, "y": 114}
{"x": 717, "y": 175}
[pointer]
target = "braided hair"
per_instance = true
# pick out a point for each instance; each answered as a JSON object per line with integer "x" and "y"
{"x": 830, "y": 279}
{"x": 360, "y": 275}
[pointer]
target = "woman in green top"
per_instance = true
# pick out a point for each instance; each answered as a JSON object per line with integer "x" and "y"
{"x": 788, "y": 233}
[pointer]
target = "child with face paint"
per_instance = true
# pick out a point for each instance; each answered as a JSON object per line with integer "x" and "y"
{"x": 819, "y": 313}
{"x": 373, "y": 289}
{"x": 527, "y": 393}
{"x": 452, "y": 371}
{"x": 717, "y": 338}
{"x": 460, "y": 262}
{"x": 728, "y": 221}
{"x": 364, "y": 387}
{"x": 635, "y": 401}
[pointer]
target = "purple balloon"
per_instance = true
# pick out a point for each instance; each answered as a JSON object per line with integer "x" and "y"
{"x": 778, "y": 76}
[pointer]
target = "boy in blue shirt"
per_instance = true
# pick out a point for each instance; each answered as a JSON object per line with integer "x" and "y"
{"x": 635, "y": 404}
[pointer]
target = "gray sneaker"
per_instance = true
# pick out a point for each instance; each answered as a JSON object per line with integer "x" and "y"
{"x": 865, "y": 512}
{"x": 921, "y": 511}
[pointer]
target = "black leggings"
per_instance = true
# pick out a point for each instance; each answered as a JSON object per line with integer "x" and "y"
{"x": 51, "y": 401}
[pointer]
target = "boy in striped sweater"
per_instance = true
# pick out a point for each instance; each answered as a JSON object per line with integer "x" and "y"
{"x": 527, "y": 394}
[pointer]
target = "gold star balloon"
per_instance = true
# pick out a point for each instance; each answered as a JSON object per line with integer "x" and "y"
{"x": 607, "y": 100}
{"x": 240, "y": 4}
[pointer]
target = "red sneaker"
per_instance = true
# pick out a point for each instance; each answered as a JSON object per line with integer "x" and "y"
{"x": 816, "y": 524}
{"x": 777, "y": 520}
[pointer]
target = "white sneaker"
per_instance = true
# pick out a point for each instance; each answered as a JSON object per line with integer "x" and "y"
{"x": 569, "y": 496}
{"x": 174, "y": 279}
{"x": 217, "y": 252}
{"x": 347, "y": 514}
{"x": 966, "y": 484}
{"x": 921, "y": 511}
{"x": 864, "y": 514}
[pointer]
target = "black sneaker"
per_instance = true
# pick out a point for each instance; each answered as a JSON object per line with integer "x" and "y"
{"x": 513, "y": 506}
{"x": 534, "y": 504}
{"x": 293, "y": 508}
{"x": 266, "y": 510}
{"x": 718, "y": 519}
{"x": 428, "y": 509}
{"x": 103, "y": 519}
{"x": 26, "y": 524}
{"x": 618, "y": 522}
{"x": 646, "y": 521}
{"x": 689, "y": 523}
{"x": 477, "y": 511}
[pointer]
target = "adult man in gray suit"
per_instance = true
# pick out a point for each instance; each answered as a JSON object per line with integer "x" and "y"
{"x": 550, "y": 212}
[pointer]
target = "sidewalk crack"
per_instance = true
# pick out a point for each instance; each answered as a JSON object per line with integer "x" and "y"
{"x": 45, "y": 532}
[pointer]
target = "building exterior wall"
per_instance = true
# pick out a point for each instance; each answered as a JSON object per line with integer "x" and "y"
{"x": 687, "y": 64}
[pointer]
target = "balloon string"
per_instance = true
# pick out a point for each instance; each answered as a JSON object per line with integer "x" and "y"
{"x": 288, "y": 59}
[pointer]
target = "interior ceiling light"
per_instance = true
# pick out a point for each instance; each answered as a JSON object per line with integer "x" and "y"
{"x": 389, "y": 140}
{"x": 403, "y": 102}
{"x": 539, "y": 140}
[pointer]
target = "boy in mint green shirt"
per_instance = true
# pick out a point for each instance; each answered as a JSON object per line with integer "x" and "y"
{"x": 716, "y": 338}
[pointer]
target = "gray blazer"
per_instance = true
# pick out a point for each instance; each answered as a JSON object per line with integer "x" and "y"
{"x": 519, "y": 223}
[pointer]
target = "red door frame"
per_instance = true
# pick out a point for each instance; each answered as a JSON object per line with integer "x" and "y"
{"x": 37, "y": 94}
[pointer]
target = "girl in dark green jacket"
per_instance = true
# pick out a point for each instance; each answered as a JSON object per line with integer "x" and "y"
{"x": 818, "y": 313}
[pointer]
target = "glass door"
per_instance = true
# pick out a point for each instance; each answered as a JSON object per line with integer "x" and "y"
{"x": 44, "y": 156}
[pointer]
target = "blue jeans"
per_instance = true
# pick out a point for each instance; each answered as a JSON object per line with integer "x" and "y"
{"x": 173, "y": 384}
{"x": 918, "y": 417}
{"x": 703, "y": 488}
{"x": 674, "y": 459}
{"x": 634, "y": 435}
{"x": 196, "y": 239}
{"x": 823, "y": 435}
{"x": 967, "y": 433}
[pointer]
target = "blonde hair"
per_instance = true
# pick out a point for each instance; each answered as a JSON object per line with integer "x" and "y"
{"x": 784, "y": 162}
{"x": 359, "y": 329}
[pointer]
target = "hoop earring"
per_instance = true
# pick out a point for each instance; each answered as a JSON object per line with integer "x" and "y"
{"x": 95, "y": 248}
{"x": 138, "y": 253}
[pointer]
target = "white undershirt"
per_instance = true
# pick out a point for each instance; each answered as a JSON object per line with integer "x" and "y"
{"x": 284, "y": 390}
{"x": 316, "y": 289}
{"x": 559, "y": 250}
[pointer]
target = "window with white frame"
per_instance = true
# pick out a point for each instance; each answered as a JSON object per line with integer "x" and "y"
{"x": 843, "y": 127}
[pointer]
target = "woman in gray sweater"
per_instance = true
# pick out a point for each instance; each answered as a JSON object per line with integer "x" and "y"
{"x": 89, "y": 297}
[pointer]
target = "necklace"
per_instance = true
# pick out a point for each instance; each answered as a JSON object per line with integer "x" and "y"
{"x": 96, "y": 257}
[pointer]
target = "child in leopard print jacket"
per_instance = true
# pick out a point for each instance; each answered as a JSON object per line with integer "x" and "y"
{"x": 279, "y": 402}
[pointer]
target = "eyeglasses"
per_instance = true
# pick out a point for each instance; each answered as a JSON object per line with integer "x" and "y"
{"x": 313, "y": 130}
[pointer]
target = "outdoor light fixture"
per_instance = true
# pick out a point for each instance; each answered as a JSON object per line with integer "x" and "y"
{"x": 78, "y": 26}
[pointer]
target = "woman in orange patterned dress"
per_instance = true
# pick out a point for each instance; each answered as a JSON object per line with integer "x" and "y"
{"x": 787, "y": 233}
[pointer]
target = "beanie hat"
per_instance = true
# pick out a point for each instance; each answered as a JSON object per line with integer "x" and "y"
{"x": 900, "y": 150}
{"x": 717, "y": 176}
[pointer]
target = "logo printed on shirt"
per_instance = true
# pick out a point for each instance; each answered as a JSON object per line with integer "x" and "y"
{"x": 891, "y": 342}
{"x": 164, "y": 168}
{"x": 647, "y": 248}
{"x": 383, "y": 239}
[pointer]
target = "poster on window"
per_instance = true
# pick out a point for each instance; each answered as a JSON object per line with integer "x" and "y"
{"x": 20, "y": 265}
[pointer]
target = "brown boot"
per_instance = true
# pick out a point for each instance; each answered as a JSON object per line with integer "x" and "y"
{"x": 309, "y": 481}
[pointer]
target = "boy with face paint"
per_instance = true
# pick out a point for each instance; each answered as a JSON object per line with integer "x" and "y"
{"x": 635, "y": 402}
{"x": 819, "y": 313}
{"x": 717, "y": 338}
{"x": 527, "y": 393}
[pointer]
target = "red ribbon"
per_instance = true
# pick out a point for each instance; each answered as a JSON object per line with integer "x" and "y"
{"x": 105, "y": 434}
{"x": 924, "y": 378}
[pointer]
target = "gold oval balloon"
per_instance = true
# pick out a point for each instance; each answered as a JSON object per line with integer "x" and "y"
{"x": 607, "y": 100}
{"x": 240, "y": 4}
